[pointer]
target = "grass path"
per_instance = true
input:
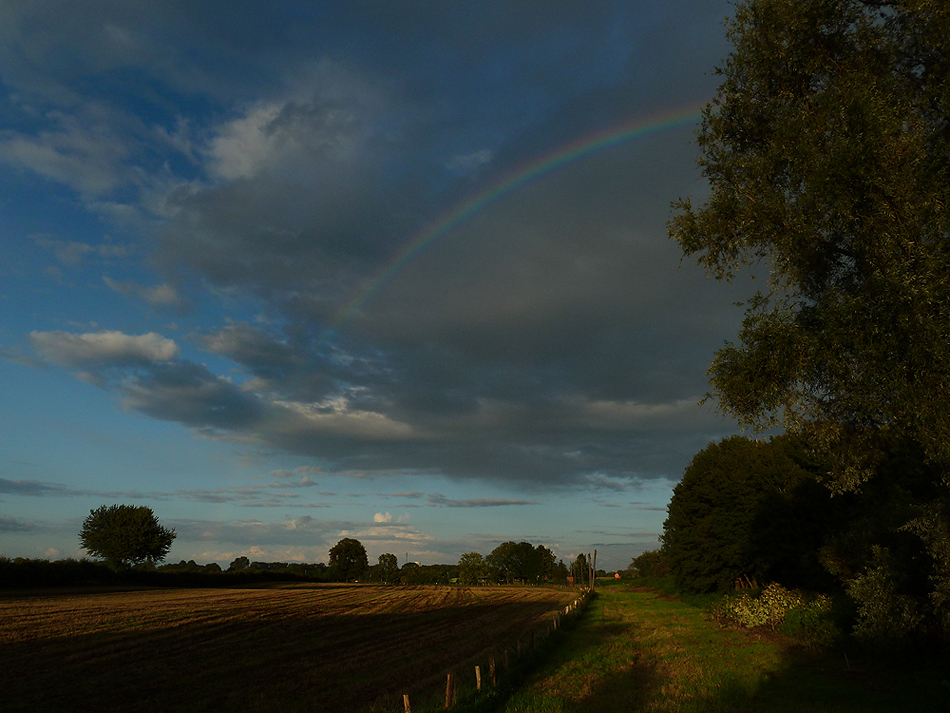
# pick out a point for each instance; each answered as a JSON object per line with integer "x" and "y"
{"x": 640, "y": 651}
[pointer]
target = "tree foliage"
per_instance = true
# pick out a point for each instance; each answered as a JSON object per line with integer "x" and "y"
{"x": 388, "y": 568}
{"x": 580, "y": 570}
{"x": 827, "y": 149}
{"x": 348, "y": 559}
{"x": 239, "y": 564}
{"x": 472, "y": 568}
{"x": 521, "y": 562}
{"x": 652, "y": 563}
{"x": 749, "y": 509}
{"x": 125, "y": 535}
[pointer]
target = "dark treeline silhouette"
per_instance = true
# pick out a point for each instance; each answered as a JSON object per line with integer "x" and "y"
{"x": 22, "y": 573}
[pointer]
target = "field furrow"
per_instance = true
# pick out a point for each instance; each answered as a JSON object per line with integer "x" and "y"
{"x": 293, "y": 647}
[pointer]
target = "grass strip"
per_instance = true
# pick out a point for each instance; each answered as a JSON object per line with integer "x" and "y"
{"x": 639, "y": 650}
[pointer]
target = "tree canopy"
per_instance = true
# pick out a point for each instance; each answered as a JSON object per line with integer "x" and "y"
{"x": 827, "y": 149}
{"x": 472, "y": 568}
{"x": 125, "y": 535}
{"x": 348, "y": 559}
{"x": 747, "y": 509}
{"x": 521, "y": 562}
{"x": 388, "y": 566}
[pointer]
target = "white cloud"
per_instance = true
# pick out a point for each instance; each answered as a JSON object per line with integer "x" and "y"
{"x": 382, "y": 517}
{"x": 244, "y": 145}
{"x": 336, "y": 417}
{"x": 103, "y": 347}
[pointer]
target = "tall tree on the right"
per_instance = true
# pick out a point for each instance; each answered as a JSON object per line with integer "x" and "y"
{"x": 827, "y": 149}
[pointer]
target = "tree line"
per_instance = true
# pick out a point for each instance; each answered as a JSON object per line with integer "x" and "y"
{"x": 510, "y": 563}
{"x": 130, "y": 544}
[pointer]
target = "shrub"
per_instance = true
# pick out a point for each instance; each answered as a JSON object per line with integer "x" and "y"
{"x": 884, "y": 614}
{"x": 778, "y": 607}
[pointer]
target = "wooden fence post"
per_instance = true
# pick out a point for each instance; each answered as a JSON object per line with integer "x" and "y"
{"x": 491, "y": 668}
{"x": 449, "y": 690}
{"x": 405, "y": 703}
{"x": 478, "y": 679}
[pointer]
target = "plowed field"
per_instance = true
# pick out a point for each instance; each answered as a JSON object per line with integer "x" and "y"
{"x": 288, "y": 648}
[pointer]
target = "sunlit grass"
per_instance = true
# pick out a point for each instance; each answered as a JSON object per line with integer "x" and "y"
{"x": 643, "y": 651}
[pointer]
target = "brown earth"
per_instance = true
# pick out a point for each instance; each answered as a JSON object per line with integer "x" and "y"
{"x": 288, "y": 648}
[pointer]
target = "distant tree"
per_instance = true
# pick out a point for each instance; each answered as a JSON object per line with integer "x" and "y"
{"x": 125, "y": 535}
{"x": 412, "y": 573}
{"x": 239, "y": 564}
{"x": 652, "y": 563}
{"x": 348, "y": 559}
{"x": 579, "y": 570}
{"x": 543, "y": 565}
{"x": 511, "y": 561}
{"x": 388, "y": 568}
{"x": 472, "y": 568}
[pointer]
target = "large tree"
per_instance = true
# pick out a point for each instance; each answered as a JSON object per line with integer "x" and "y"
{"x": 827, "y": 149}
{"x": 348, "y": 559}
{"x": 521, "y": 561}
{"x": 388, "y": 568}
{"x": 125, "y": 535}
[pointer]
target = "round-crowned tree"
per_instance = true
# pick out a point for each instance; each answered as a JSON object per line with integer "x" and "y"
{"x": 348, "y": 559}
{"x": 125, "y": 535}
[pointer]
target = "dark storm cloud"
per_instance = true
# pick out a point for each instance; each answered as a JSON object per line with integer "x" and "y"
{"x": 190, "y": 394}
{"x": 550, "y": 338}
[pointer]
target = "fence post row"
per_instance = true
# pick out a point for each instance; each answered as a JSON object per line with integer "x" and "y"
{"x": 451, "y": 692}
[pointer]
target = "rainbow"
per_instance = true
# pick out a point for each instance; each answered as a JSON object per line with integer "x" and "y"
{"x": 448, "y": 221}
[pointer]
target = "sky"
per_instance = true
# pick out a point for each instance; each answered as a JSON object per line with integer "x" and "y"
{"x": 292, "y": 272}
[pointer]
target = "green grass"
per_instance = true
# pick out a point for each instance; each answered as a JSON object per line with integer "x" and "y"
{"x": 640, "y": 650}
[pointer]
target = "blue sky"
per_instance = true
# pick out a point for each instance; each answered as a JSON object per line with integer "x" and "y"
{"x": 196, "y": 200}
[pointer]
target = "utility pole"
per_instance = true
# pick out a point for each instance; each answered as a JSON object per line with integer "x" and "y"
{"x": 593, "y": 571}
